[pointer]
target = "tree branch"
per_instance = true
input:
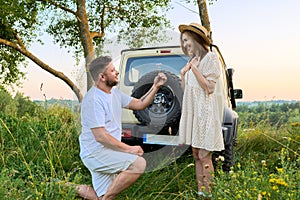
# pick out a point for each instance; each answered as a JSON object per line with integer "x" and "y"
{"x": 15, "y": 34}
{"x": 97, "y": 35}
{"x": 102, "y": 18}
{"x": 203, "y": 13}
{"x": 57, "y": 5}
{"x": 20, "y": 41}
{"x": 44, "y": 66}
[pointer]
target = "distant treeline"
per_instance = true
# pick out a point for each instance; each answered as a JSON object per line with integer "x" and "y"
{"x": 18, "y": 105}
{"x": 276, "y": 113}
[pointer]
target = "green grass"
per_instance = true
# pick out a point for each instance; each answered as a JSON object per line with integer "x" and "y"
{"x": 266, "y": 167}
{"x": 38, "y": 154}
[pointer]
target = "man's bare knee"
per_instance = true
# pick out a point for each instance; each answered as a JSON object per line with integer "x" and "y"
{"x": 138, "y": 166}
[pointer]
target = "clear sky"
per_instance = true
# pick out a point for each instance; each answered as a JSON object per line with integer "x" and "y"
{"x": 259, "y": 39}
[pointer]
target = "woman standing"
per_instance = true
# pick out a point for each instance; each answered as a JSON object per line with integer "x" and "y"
{"x": 200, "y": 124}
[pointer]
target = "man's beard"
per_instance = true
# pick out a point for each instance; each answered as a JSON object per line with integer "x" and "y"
{"x": 111, "y": 83}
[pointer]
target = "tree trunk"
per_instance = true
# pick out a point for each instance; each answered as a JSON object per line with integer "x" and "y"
{"x": 203, "y": 13}
{"x": 86, "y": 39}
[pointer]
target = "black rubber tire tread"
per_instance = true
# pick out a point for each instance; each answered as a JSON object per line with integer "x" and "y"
{"x": 228, "y": 154}
{"x": 229, "y": 157}
{"x": 172, "y": 86}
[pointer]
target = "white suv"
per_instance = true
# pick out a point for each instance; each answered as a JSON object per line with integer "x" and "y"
{"x": 157, "y": 125}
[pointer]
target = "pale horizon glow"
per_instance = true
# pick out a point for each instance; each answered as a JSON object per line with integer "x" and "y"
{"x": 259, "y": 39}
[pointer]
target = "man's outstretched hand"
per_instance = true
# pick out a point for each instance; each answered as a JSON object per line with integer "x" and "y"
{"x": 160, "y": 79}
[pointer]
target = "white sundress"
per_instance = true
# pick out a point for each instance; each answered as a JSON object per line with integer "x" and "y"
{"x": 200, "y": 124}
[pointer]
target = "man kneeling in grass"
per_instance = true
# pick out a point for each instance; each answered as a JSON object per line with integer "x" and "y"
{"x": 114, "y": 165}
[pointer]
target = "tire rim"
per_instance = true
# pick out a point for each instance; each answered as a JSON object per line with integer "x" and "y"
{"x": 163, "y": 101}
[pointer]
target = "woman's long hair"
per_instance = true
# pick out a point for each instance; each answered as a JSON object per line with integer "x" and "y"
{"x": 195, "y": 37}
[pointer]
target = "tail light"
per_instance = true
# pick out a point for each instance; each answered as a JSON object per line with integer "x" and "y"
{"x": 126, "y": 133}
{"x": 165, "y": 51}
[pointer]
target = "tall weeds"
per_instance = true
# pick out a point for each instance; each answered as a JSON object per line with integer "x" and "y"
{"x": 39, "y": 154}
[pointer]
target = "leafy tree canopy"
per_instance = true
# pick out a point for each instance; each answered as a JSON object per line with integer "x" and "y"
{"x": 121, "y": 18}
{"x": 78, "y": 25}
{"x": 17, "y": 22}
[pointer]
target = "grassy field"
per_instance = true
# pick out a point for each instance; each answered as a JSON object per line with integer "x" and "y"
{"x": 266, "y": 167}
{"x": 39, "y": 153}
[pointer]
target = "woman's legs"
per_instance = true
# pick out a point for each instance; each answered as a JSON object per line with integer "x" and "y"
{"x": 208, "y": 169}
{"x": 198, "y": 169}
{"x": 204, "y": 169}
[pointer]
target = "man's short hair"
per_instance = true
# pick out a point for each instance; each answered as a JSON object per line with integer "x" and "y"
{"x": 98, "y": 66}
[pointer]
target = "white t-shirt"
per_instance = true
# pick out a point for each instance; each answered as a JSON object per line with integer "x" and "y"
{"x": 99, "y": 109}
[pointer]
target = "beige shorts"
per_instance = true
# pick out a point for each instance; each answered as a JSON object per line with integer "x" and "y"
{"x": 104, "y": 165}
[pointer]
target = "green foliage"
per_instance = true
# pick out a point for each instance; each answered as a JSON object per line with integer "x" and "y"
{"x": 267, "y": 165}
{"x": 14, "y": 187}
{"x": 18, "y": 106}
{"x": 36, "y": 150}
{"x": 25, "y": 106}
{"x": 10, "y": 59}
{"x": 122, "y": 17}
{"x": 256, "y": 179}
{"x": 177, "y": 181}
{"x": 264, "y": 139}
{"x": 272, "y": 113}
{"x": 23, "y": 21}
{"x": 5, "y": 98}
{"x": 18, "y": 22}
{"x": 39, "y": 156}
{"x": 250, "y": 178}
{"x": 18, "y": 18}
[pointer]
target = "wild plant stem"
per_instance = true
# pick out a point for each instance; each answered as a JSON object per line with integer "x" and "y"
{"x": 21, "y": 153}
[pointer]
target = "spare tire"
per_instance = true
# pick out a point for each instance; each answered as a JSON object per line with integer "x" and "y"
{"x": 165, "y": 109}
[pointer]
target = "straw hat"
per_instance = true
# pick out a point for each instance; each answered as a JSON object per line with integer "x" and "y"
{"x": 196, "y": 28}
